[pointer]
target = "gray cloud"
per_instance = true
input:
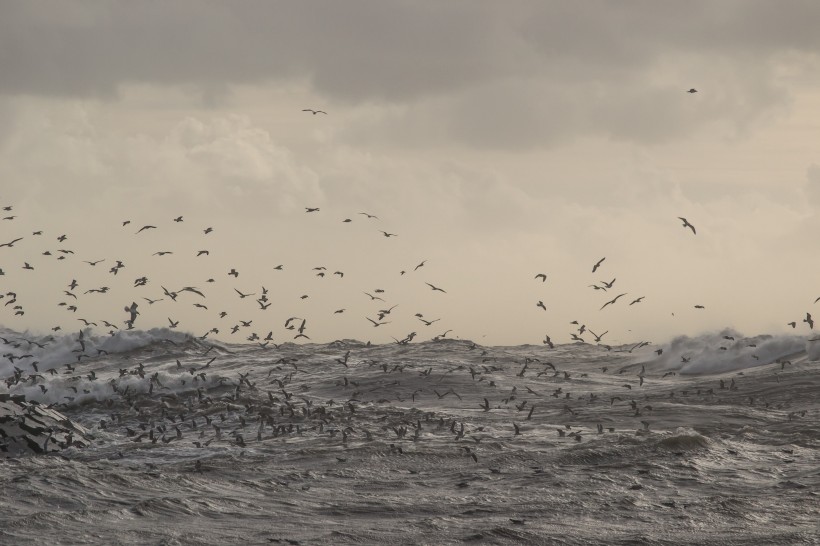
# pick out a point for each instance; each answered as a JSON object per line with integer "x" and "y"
{"x": 370, "y": 49}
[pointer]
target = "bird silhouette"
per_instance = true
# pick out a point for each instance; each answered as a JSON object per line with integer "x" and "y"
{"x": 686, "y": 224}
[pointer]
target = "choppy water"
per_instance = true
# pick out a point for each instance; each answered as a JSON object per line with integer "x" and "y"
{"x": 398, "y": 446}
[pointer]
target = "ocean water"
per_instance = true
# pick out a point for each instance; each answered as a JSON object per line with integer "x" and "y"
{"x": 713, "y": 441}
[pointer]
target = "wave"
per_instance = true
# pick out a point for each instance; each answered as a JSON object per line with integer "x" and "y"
{"x": 729, "y": 350}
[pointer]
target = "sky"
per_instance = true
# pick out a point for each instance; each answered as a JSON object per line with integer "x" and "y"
{"x": 496, "y": 141}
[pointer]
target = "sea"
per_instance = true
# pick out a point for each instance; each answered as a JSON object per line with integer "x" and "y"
{"x": 710, "y": 440}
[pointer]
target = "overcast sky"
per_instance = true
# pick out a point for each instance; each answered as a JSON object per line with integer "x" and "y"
{"x": 496, "y": 140}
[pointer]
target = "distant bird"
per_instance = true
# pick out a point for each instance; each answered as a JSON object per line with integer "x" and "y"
{"x": 597, "y": 265}
{"x": 435, "y": 288}
{"x": 132, "y": 310}
{"x": 637, "y": 300}
{"x": 143, "y": 228}
{"x": 792, "y": 324}
{"x": 420, "y": 265}
{"x": 178, "y": 219}
{"x": 610, "y": 302}
{"x": 700, "y": 307}
{"x": 243, "y": 296}
{"x": 547, "y": 341}
{"x": 208, "y": 230}
{"x": 692, "y": 90}
{"x": 597, "y": 337}
{"x": 308, "y": 209}
{"x": 809, "y": 321}
{"x": 686, "y": 224}
{"x": 314, "y": 112}
{"x": 541, "y": 276}
{"x": 370, "y": 216}
{"x": 541, "y": 305}
{"x": 388, "y": 235}
{"x": 11, "y": 244}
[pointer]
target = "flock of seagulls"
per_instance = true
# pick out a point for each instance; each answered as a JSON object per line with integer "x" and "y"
{"x": 72, "y": 296}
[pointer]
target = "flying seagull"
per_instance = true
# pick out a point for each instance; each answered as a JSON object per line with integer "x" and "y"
{"x": 692, "y": 90}
{"x": 541, "y": 276}
{"x": 597, "y": 265}
{"x": 314, "y": 112}
{"x": 686, "y": 224}
{"x": 610, "y": 302}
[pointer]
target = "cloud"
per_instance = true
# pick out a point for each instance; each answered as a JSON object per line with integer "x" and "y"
{"x": 476, "y": 73}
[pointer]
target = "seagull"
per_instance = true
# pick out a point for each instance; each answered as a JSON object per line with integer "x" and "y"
{"x": 143, "y": 228}
{"x": 388, "y": 235}
{"x": 597, "y": 265}
{"x": 637, "y": 300}
{"x": 541, "y": 276}
{"x": 309, "y": 209}
{"x": 597, "y": 337}
{"x": 370, "y": 216}
{"x": 11, "y": 244}
{"x": 314, "y": 112}
{"x": 549, "y": 342}
{"x": 420, "y": 265}
{"x": 435, "y": 287}
{"x": 132, "y": 309}
{"x": 541, "y": 305}
{"x": 692, "y": 90}
{"x": 809, "y": 321}
{"x": 243, "y": 296}
{"x": 686, "y": 224}
{"x": 610, "y": 302}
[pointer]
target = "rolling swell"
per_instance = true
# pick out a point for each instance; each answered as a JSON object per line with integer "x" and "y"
{"x": 398, "y": 445}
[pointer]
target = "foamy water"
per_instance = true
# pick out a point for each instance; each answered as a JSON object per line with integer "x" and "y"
{"x": 714, "y": 441}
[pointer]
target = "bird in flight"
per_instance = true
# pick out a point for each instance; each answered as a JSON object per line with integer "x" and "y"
{"x": 11, "y": 244}
{"x": 692, "y": 90}
{"x": 388, "y": 235}
{"x": 686, "y": 224}
{"x": 541, "y": 276}
{"x": 610, "y": 302}
{"x": 309, "y": 209}
{"x": 314, "y": 112}
{"x": 597, "y": 265}
{"x": 808, "y": 320}
{"x": 541, "y": 305}
{"x": 371, "y": 216}
{"x": 638, "y": 300}
{"x": 435, "y": 288}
